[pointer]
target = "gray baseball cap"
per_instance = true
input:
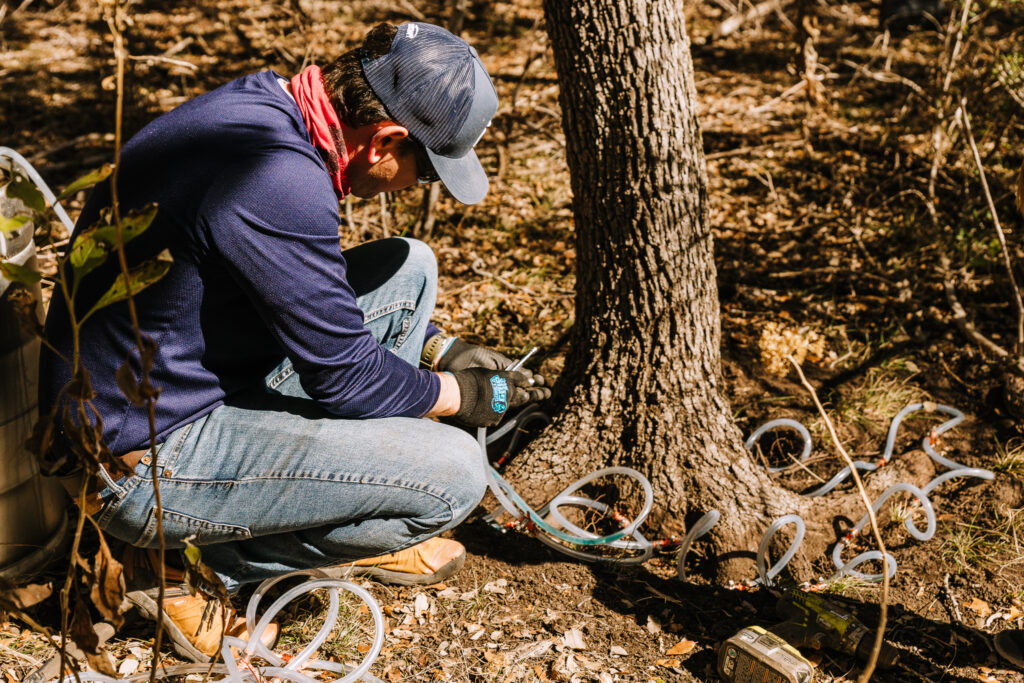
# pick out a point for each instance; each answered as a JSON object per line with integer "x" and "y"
{"x": 433, "y": 83}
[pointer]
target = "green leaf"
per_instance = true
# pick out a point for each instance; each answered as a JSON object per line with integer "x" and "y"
{"x": 138, "y": 279}
{"x": 135, "y": 223}
{"x": 88, "y": 180}
{"x": 86, "y": 255}
{"x": 16, "y": 273}
{"x": 25, "y": 190}
{"x": 9, "y": 225}
{"x": 192, "y": 553}
{"x": 132, "y": 225}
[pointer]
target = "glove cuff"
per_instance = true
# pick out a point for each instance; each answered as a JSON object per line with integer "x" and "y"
{"x": 435, "y": 347}
{"x": 468, "y": 394}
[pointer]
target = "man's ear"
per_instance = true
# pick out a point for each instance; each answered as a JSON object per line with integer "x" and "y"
{"x": 385, "y": 140}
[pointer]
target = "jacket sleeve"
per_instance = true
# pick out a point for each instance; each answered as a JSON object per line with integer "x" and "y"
{"x": 274, "y": 221}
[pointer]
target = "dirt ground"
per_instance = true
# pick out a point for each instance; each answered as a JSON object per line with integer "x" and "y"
{"x": 826, "y": 227}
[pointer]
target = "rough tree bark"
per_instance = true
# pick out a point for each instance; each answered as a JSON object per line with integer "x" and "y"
{"x": 642, "y": 384}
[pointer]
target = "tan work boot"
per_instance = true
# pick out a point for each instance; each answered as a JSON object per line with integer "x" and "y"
{"x": 193, "y": 623}
{"x": 431, "y": 561}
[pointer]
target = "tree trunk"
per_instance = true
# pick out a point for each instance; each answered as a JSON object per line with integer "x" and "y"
{"x": 642, "y": 386}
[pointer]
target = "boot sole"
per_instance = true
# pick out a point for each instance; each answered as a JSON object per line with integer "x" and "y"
{"x": 397, "y": 578}
{"x": 1008, "y": 644}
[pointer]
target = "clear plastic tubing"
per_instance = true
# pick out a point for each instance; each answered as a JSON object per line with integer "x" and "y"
{"x": 626, "y": 539}
{"x": 762, "y": 550}
{"x": 890, "y": 561}
{"x": 921, "y": 494}
{"x": 775, "y": 424}
{"x": 279, "y": 668}
{"x": 34, "y": 176}
{"x": 703, "y": 525}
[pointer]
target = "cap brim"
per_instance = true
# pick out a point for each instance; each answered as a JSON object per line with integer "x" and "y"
{"x": 464, "y": 177}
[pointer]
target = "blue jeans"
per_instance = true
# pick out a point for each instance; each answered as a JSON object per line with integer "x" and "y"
{"x": 269, "y": 482}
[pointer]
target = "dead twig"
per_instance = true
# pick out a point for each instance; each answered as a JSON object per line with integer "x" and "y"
{"x": 430, "y": 196}
{"x": 884, "y": 76}
{"x": 348, "y": 215}
{"x": 152, "y": 59}
{"x": 960, "y": 318}
{"x": 952, "y": 599}
{"x": 757, "y": 12}
{"x": 740, "y": 151}
{"x": 407, "y": 8}
{"x": 945, "y": 99}
{"x": 790, "y": 91}
{"x": 74, "y": 142}
{"x": 1007, "y": 263}
{"x": 869, "y": 667}
{"x": 478, "y": 269}
{"x": 384, "y": 220}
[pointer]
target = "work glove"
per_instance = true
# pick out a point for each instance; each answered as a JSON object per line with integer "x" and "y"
{"x": 486, "y": 394}
{"x": 461, "y": 355}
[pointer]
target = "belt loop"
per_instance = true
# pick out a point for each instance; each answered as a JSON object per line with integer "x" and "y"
{"x": 109, "y": 482}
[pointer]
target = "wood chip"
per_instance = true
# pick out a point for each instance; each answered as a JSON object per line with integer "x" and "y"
{"x": 573, "y": 639}
{"x": 420, "y": 605}
{"x": 617, "y": 651}
{"x": 683, "y": 647}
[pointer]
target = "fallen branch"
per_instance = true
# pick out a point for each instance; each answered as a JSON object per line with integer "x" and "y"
{"x": 869, "y": 667}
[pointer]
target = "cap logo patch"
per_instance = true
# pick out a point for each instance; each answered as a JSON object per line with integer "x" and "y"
{"x": 412, "y": 31}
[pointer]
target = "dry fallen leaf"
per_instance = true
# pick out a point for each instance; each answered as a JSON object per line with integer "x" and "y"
{"x": 667, "y": 662}
{"x": 681, "y": 648}
{"x": 129, "y": 666}
{"x": 980, "y": 607}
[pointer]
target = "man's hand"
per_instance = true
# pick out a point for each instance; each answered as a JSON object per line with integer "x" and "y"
{"x": 487, "y": 394}
{"x": 461, "y": 355}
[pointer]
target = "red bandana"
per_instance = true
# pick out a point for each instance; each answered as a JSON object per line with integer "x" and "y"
{"x": 323, "y": 124}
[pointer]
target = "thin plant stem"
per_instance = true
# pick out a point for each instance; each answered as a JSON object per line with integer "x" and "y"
{"x": 119, "y": 53}
{"x": 869, "y": 668}
{"x": 1019, "y": 349}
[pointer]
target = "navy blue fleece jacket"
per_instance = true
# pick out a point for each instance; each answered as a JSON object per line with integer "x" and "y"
{"x": 247, "y": 210}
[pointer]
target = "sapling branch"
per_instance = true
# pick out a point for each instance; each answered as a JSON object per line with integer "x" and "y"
{"x": 869, "y": 668}
{"x": 115, "y": 23}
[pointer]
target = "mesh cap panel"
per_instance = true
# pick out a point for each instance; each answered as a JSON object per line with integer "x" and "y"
{"x": 433, "y": 83}
{"x": 426, "y": 82}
